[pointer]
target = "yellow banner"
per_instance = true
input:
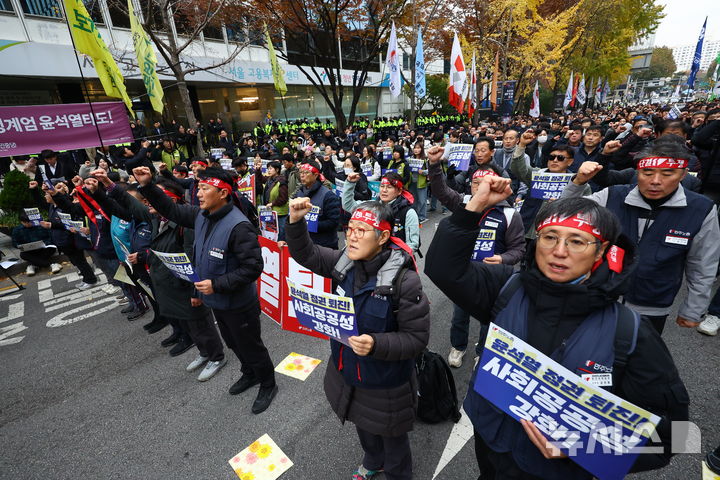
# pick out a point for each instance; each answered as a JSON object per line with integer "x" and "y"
{"x": 147, "y": 61}
{"x": 87, "y": 40}
{"x": 277, "y": 71}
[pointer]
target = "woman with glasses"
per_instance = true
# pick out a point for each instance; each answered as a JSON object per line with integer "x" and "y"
{"x": 371, "y": 382}
{"x": 564, "y": 303}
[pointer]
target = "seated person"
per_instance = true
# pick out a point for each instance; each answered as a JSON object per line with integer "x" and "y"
{"x": 28, "y": 233}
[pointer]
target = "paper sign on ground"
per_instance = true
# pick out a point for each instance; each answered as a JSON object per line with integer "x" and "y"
{"x": 548, "y": 185}
{"x": 594, "y": 427}
{"x": 262, "y": 460}
{"x": 179, "y": 265}
{"x": 297, "y": 366}
{"x": 329, "y": 314}
{"x": 34, "y": 216}
{"x": 459, "y": 155}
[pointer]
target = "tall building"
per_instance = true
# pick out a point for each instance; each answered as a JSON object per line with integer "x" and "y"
{"x": 640, "y": 52}
{"x": 684, "y": 55}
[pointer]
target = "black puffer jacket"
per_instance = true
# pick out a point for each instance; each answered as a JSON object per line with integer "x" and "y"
{"x": 382, "y": 411}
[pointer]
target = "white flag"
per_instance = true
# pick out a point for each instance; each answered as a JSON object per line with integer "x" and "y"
{"x": 458, "y": 78}
{"x": 581, "y": 94}
{"x": 568, "y": 92}
{"x": 535, "y": 105}
{"x": 392, "y": 61}
{"x": 598, "y": 92}
{"x": 472, "y": 91}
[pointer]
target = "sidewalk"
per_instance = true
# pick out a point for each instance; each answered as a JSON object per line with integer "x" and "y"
{"x": 12, "y": 253}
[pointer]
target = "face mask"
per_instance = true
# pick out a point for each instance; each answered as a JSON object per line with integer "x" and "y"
{"x": 341, "y": 155}
{"x": 542, "y": 138}
{"x": 348, "y": 171}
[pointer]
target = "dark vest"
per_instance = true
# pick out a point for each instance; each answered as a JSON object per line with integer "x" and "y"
{"x": 373, "y": 314}
{"x": 325, "y": 239}
{"x": 663, "y": 248}
{"x": 529, "y": 210}
{"x": 496, "y": 220}
{"x": 400, "y": 207}
{"x": 212, "y": 259}
{"x": 593, "y": 339}
{"x": 61, "y": 238}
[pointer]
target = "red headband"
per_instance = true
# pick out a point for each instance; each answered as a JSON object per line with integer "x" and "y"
{"x": 578, "y": 221}
{"x": 216, "y": 182}
{"x": 395, "y": 183}
{"x": 483, "y": 173}
{"x": 369, "y": 218}
{"x": 309, "y": 168}
{"x": 171, "y": 194}
{"x": 199, "y": 162}
{"x": 662, "y": 162}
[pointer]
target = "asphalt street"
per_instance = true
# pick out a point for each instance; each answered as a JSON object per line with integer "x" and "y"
{"x": 85, "y": 394}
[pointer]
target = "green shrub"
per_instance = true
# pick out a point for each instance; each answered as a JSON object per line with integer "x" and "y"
{"x": 15, "y": 194}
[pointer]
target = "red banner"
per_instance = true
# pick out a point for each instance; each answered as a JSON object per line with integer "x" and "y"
{"x": 246, "y": 186}
{"x": 273, "y": 291}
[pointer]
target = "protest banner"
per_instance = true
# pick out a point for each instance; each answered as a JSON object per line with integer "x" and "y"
{"x": 246, "y": 186}
{"x": 216, "y": 153}
{"x": 34, "y": 216}
{"x": 598, "y": 430}
{"x": 124, "y": 250}
{"x": 226, "y": 163}
{"x": 268, "y": 223}
{"x": 329, "y": 314}
{"x": 271, "y": 283}
{"x": 67, "y": 126}
{"x": 374, "y": 188}
{"x": 339, "y": 187}
{"x": 312, "y": 219}
{"x": 546, "y": 185}
{"x": 459, "y": 155}
{"x": 384, "y": 171}
{"x": 386, "y": 153}
{"x": 484, "y": 245}
{"x": 303, "y": 277}
{"x": 367, "y": 168}
{"x": 416, "y": 164}
{"x": 179, "y": 265}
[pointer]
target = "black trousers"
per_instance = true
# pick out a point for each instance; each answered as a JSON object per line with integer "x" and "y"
{"x": 202, "y": 331}
{"x": 390, "y": 454}
{"x": 497, "y": 466}
{"x": 40, "y": 257}
{"x": 77, "y": 258}
{"x": 657, "y": 321}
{"x": 240, "y": 328}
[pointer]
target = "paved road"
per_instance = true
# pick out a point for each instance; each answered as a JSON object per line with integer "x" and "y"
{"x": 87, "y": 394}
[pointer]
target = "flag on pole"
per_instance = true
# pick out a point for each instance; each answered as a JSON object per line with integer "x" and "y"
{"x": 493, "y": 85}
{"x": 581, "y": 93}
{"x": 696, "y": 59}
{"x": 472, "y": 94}
{"x": 87, "y": 40}
{"x": 277, "y": 71}
{"x": 147, "y": 61}
{"x": 606, "y": 91}
{"x": 420, "y": 88}
{"x": 392, "y": 62}
{"x": 458, "y": 78}
{"x": 598, "y": 91}
{"x": 569, "y": 91}
{"x": 535, "y": 105}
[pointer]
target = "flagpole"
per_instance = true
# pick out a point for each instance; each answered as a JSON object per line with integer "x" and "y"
{"x": 82, "y": 76}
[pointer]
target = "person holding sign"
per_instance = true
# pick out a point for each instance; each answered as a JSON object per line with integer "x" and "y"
{"x": 372, "y": 384}
{"x": 324, "y": 218}
{"x": 396, "y": 163}
{"x": 545, "y": 184}
{"x": 564, "y": 304}
{"x": 418, "y": 186}
{"x": 274, "y": 192}
{"x": 227, "y": 256}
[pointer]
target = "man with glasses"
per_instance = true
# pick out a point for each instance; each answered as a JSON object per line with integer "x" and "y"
{"x": 675, "y": 230}
{"x": 324, "y": 220}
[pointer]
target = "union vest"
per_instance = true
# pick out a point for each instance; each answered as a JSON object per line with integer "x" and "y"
{"x": 400, "y": 207}
{"x": 497, "y": 220}
{"x": 327, "y": 239}
{"x": 212, "y": 259}
{"x": 373, "y": 314}
{"x": 663, "y": 248}
{"x": 592, "y": 340}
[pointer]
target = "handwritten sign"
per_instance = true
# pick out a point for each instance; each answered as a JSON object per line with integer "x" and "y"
{"x": 598, "y": 430}
{"x": 459, "y": 155}
{"x": 329, "y": 314}
{"x": 312, "y": 219}
{"x": 179, "y": 265}
{"x": 34, "y": 216}
{"x": 484, "y": 245}
{"x": 546, "y": 185}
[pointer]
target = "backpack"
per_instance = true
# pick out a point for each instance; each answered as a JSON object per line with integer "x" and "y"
{"x": 437, "y": 396}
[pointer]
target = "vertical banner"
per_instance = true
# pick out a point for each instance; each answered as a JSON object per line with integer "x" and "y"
{"x": 271, "y": 282}
{"x": 508, "y": 97}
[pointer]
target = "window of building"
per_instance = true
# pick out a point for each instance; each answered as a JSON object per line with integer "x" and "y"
{"x": 42, "y": 8}
{"x": 6, "y": 6}
{"x": 93, "y": 8}
{"x": 119, "y": 17}
{"x": 236, "y": 32}
{"x": 213, "y": 32}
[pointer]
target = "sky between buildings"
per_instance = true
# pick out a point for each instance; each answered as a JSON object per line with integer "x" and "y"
{"x": 683, "y": 22}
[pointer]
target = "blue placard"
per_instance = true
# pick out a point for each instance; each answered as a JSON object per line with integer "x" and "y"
{"x": 367, "y": 168}
{"x": 484, "y": 245}
{"x": 34, "y": 216}
{"x": 312, "y": 219}
{"x": 546, "y": 185}
{"x": 387, "y": 154}
{"x": 374, "y": 188}
{"x": 596, "y": 429}
{"x": 338, "y": 188}
{"x": 331, "y": 315}
{"x": 416, "y": 164}
{"x": 383, "y": 171}
{"x": 179, "y": 265}
{"x": 268, "y": 223}
{"x": 459, "y": 155}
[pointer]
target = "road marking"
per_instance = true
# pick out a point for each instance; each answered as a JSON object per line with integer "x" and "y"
{"x": 459, "y": 436}
{"x": 15, "y": 310}
{"x": 70, "y": 296}
{"x": 60, "y": 320}
{"x": 9, "y": 331}
{"x": 10, "y": 297}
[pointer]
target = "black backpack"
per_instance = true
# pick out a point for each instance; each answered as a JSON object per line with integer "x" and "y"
{"x": 437, "y": 397}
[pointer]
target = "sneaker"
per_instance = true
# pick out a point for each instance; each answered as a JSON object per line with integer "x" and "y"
{"x": 455, "y": 357}
{"x": 197, "y": 363}
{"x": 84, "y": 286}
{"x": 712, "y": 461}
{"x": 211, "y": 368}
{"x": 243, "y": 384}
{"x": 30, "y": 270}
{"x": 123, "y": 301}
{"x": 182, "y": 346}
{"x": 264, "y": 399}
{"x": 171, "y": 340}
{"x": 110, "y": 289}
{"x": 55, "y": 267}
{"x": 363, "y": 473}
{"x": 710, "y": 325}
{"x": 121, "y": 297}
{"x": 137, "y": 314}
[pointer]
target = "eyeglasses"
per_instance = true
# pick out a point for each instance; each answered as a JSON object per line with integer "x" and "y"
{"x": 357, "y": 231}
{"x": 560, "y": 158}
{"x": 549, "y": 241}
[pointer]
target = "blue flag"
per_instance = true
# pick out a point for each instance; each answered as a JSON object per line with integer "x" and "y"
{"x": 696, "y": 59}
{"x": 419, "y": 67}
